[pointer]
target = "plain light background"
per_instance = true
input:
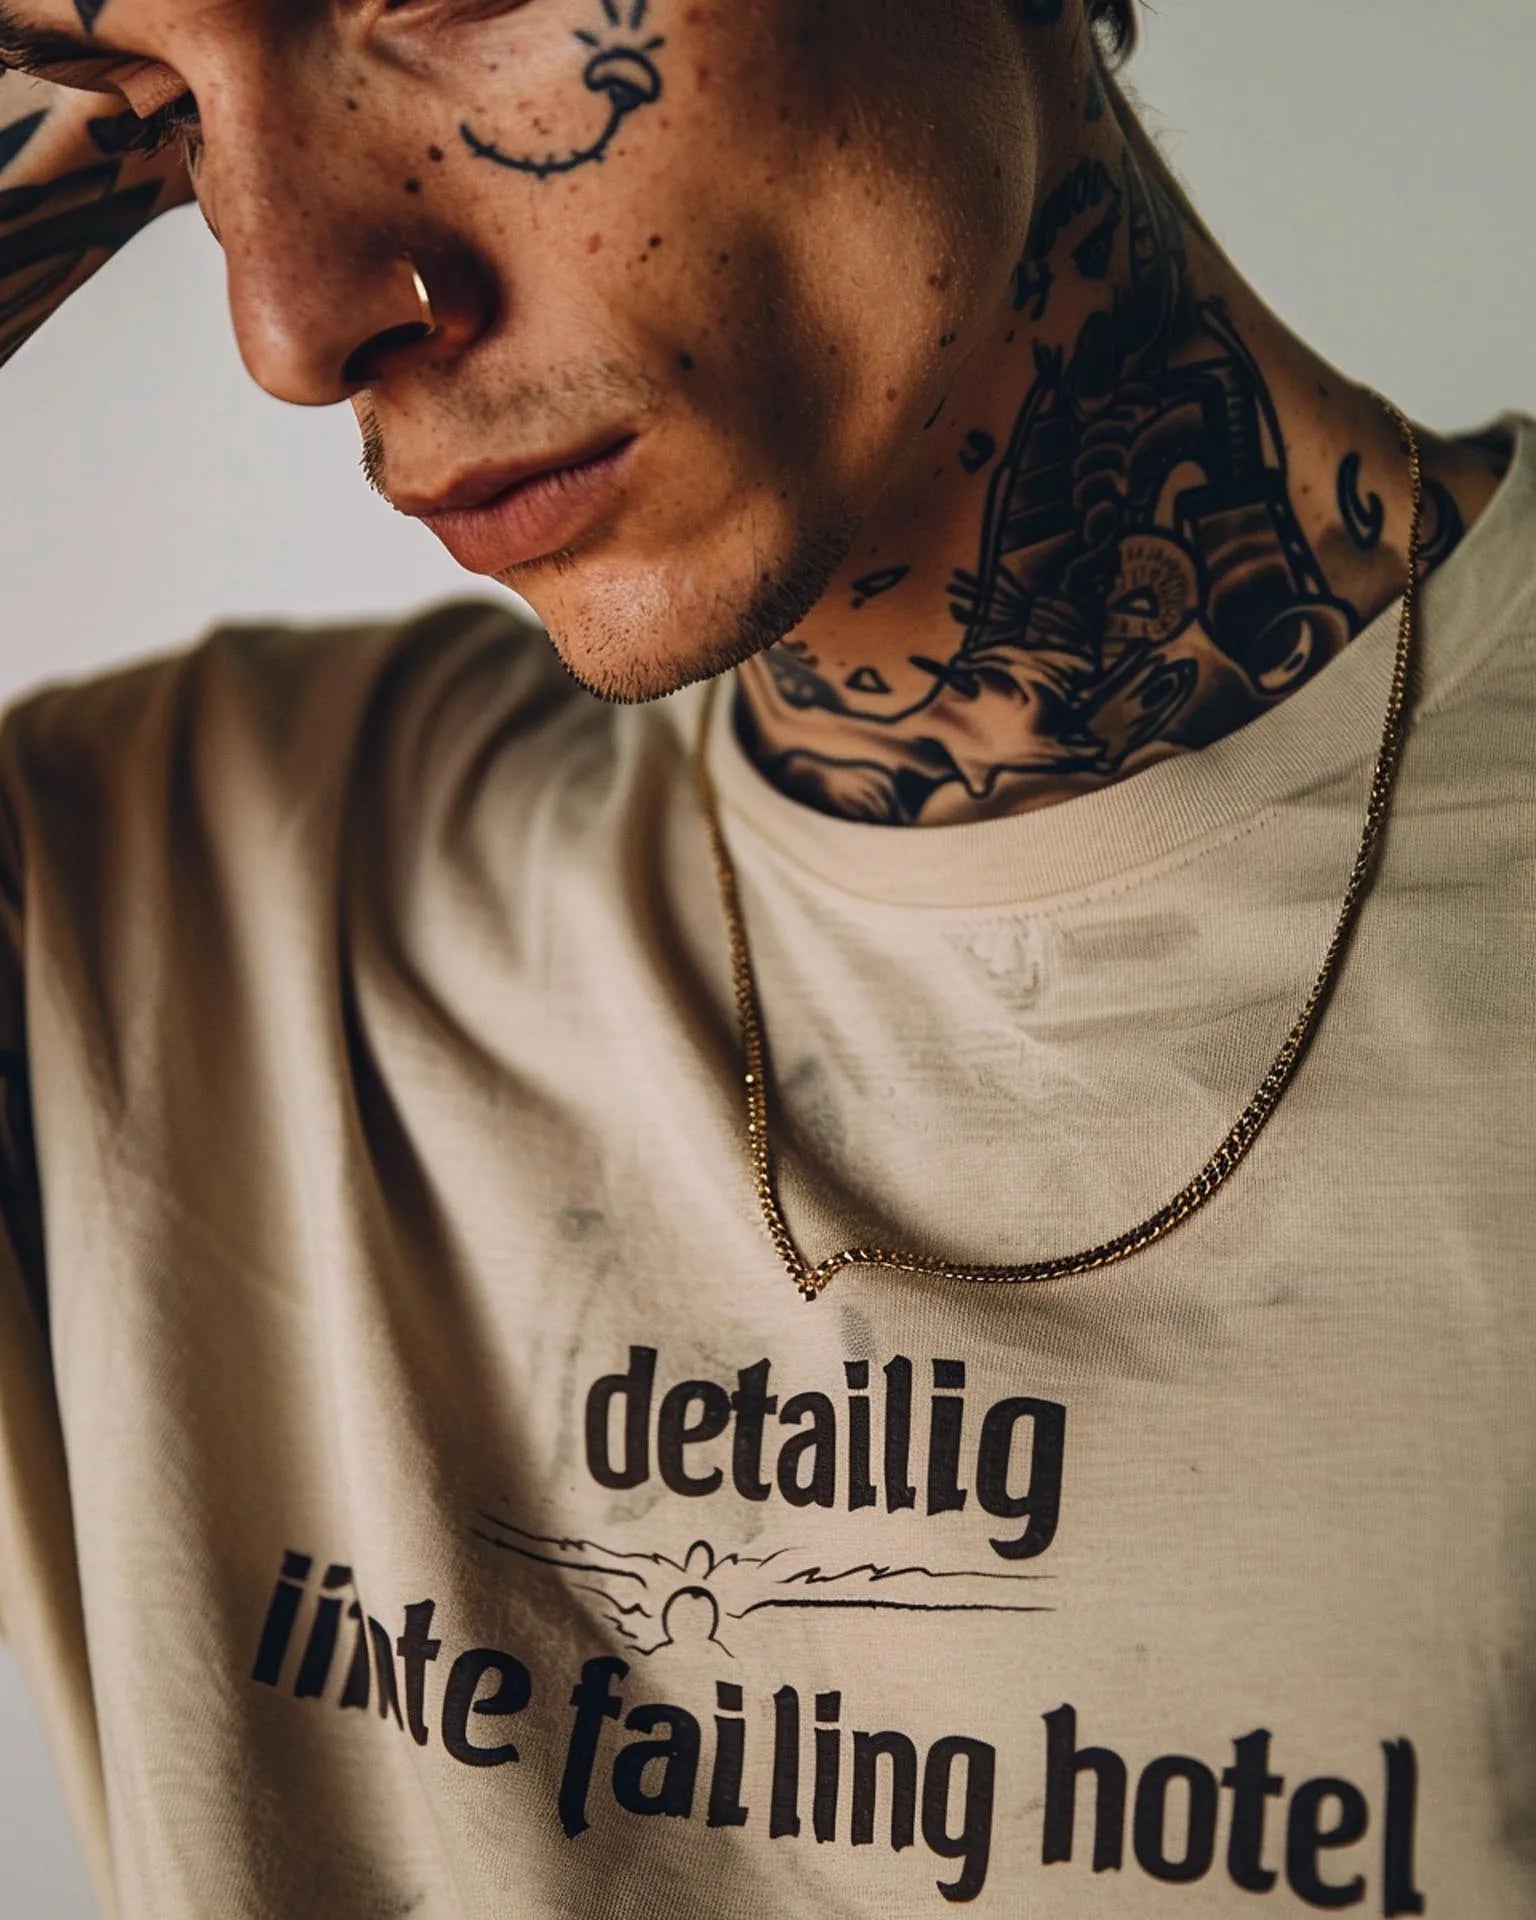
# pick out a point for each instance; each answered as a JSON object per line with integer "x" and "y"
{"x": 1369, "y": 165}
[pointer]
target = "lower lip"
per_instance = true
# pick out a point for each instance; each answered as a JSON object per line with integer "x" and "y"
{"x": 532, "y": 519}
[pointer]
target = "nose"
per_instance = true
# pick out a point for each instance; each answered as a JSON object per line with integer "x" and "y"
{"x": 318, "y": 337}
{"x": 329, "y": 290}
{"x": 363, "y": 364}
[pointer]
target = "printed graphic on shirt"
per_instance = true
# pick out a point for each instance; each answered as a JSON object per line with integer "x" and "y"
{"x": 653, "y": 1600}
{"x": 702, "y": 1438}
{"x": 829, "y": 1768}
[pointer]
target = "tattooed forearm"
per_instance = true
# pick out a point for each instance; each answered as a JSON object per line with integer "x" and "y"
{"x": 15, "y": 137}
{"x": 74, "y": 186}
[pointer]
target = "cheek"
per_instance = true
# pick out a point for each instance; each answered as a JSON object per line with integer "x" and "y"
{"x": 779, "y": 280}
{"x": 697, "y": 292}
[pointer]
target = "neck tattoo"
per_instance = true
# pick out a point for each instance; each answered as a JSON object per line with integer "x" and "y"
{"x": 1141, "y": 583}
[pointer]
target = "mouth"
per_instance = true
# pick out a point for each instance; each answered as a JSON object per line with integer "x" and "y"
{"x": 490, "y": 521}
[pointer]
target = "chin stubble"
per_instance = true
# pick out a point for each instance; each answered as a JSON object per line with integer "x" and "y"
{"x": 776, "y": 604}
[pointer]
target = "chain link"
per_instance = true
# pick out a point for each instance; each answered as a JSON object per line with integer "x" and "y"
{"x": 811, "y": 1280}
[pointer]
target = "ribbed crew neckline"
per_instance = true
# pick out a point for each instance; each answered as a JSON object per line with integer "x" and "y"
{"x": 1469, "y": 605}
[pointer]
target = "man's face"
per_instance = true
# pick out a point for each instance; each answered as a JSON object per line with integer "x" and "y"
{"x": 736, "y": 250}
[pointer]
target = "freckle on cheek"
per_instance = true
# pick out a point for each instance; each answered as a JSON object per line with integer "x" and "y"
{"x": 434, "y": 153}
{"x": 594, "y": 243}
{"x": 413, "y": 186}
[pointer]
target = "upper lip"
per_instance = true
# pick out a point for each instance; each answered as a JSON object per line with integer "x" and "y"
{"x": 479, "y": 485}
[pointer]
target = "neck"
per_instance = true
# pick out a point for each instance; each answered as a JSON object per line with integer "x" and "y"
{"x": 1144, "y": 514}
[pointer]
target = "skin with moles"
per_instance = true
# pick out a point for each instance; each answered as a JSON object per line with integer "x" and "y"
{"x": 951, "y": 427}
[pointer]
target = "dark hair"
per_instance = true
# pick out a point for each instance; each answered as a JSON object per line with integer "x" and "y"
{"x": 1115, "y": 23}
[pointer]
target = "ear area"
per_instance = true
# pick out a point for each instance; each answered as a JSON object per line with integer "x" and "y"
{"x": 1114, "y": 27}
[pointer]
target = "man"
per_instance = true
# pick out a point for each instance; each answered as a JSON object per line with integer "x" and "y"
{"x": 1103, "y": 911}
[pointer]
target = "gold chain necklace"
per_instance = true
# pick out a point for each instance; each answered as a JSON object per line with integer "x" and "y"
{"x": 812, "y": 1280}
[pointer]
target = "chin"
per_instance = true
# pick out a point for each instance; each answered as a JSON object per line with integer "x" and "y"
{"x": 631, "y": 632}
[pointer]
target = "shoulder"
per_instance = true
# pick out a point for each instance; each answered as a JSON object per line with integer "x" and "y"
{"x": 273, "y": 721}
{"x": 1478, "y": 638}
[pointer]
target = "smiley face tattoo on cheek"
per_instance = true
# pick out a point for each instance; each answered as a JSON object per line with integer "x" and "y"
{"x": 618, "y": 71}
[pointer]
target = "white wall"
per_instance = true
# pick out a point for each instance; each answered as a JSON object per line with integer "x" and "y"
{"x": 1368, "y": 163}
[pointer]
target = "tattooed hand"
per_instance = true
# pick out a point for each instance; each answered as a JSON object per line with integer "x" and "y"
{"x": 80, "y": 174}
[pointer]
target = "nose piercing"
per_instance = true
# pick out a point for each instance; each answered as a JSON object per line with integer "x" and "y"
{"x": 424, "y": 299}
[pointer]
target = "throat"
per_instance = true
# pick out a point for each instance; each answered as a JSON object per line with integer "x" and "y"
{"x": 1146, "y": 516}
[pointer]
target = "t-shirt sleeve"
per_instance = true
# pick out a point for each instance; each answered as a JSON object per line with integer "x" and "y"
{"x": 167, "y": 826}
{"x": 41, "y": 1617}
{"x": 28, "y": 1412}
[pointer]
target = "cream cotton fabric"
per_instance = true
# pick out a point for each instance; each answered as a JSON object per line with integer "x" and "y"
{"x": 421, "y": 1491}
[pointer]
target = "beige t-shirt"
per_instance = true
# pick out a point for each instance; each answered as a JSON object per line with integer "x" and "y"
{"x": 422, "y": 1491}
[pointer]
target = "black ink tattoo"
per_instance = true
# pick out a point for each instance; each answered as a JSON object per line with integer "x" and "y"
{"x": 47, "y": 230}
{"x": 867, "y": 680}
{"x": 1364, "y": 519}
{"x": 1142, "y": 578}
{"x": 875, "y": 584}
{"x": 1445, "y": 533}
{"x": 14, "y": 137}
{"x": 1093, "y": 255}
{"x": 978, "y": 450}
{"x": 621, "y": 73}
{"x": 1095, "y": 109}
{"x": 1088, "y": 187}
{"x": 1086, "y": 573}
{"x": 933, "y": 418}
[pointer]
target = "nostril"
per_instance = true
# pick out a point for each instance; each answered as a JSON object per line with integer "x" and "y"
{"x": 362, "y": 365}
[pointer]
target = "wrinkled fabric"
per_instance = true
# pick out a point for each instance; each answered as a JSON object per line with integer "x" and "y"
{"x": 422, "y": 1490}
